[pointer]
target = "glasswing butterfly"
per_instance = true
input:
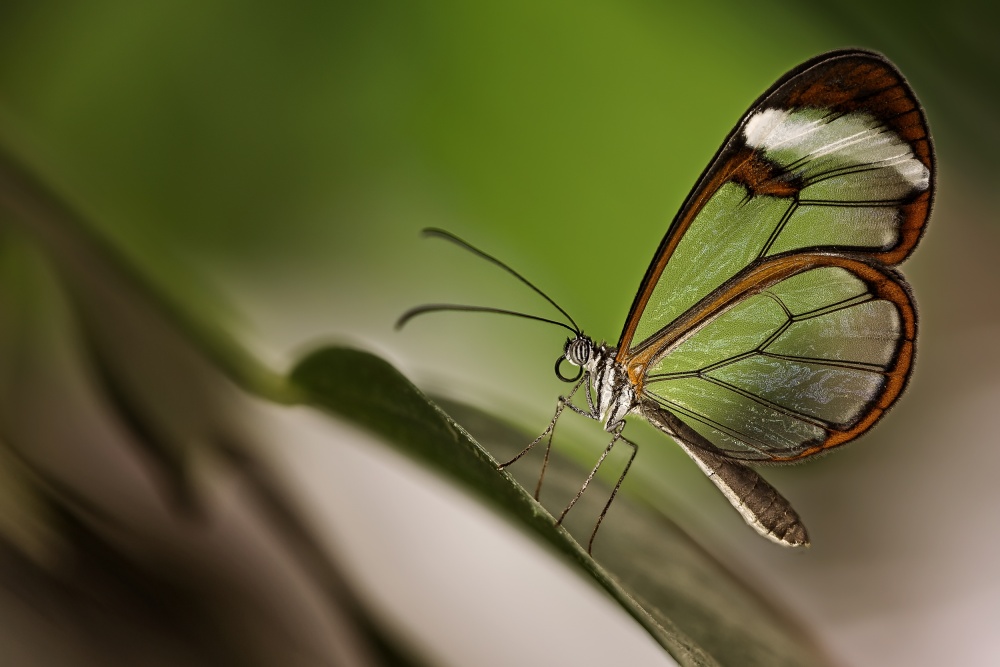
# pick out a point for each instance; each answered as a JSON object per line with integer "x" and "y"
{"x": 771, "y": 325}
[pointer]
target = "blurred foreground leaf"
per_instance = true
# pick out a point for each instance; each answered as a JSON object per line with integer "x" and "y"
{"x": 132, "y": 482}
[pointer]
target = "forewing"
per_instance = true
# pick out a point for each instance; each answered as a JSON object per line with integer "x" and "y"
{"x": 834, "y": 158}
{"x": 802, "y": 353}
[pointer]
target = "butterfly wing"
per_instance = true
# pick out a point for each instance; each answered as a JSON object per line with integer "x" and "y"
{"x": 770, "y": 320}
{"x": 802, "y": 353}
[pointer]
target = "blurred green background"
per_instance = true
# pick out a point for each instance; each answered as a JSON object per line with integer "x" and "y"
{"x": 296, "y": 150}
{"x": 273, "y": 163}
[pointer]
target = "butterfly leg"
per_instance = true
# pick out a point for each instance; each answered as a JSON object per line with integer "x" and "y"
{"x": 564, "y": 402}
{"x": 614, "y": 491}
{"x": 616, "y": 436}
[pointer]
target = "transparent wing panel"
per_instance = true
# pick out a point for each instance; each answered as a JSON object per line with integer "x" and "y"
{"x": 812, "y": 389}
{"x": 865, "y": 333}
{"x": 781, "y": 370}
{"x": 812, "y": 225}
{"x": 730, "y": 232}
{"x": 746, "y": 326}
{"x": 758, "y": 426}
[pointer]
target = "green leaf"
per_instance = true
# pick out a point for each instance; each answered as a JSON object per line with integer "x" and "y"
{"x": 687, "y": 601}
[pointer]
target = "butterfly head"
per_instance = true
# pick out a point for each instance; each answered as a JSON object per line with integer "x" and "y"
{"x": 579, "y": 351}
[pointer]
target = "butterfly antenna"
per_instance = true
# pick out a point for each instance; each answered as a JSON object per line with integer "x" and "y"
{"x": 438, "y": 307}
{"x": 448, "y": 236}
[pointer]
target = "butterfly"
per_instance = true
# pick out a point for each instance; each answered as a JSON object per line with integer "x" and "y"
{"x": 771, "y": 325}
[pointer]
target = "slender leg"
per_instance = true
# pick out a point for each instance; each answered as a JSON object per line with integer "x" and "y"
{"x": 607, "y": 450}
{"x": 564, "y": 402}
{"x": 548, "y": 446}
{"x": 549, "y": 433}
{"x": 614, "y": 492}
{"x": 548, "y": 429}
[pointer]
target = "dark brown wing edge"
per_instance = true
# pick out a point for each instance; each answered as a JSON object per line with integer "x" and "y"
{"x": 844, "y": 81}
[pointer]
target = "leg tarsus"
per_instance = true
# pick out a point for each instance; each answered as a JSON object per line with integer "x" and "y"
{"x": 549, "y": 429}
{"x": 590, "y": 477}
{"x": 614, "y": 492}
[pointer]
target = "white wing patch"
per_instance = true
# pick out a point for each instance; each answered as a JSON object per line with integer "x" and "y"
{"x": 762, "y": 125}
{"x": 817, "y": 145}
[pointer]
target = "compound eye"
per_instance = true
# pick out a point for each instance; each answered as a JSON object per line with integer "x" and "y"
{"x": 565, "y": 378}
{"x": 578, "y": 352}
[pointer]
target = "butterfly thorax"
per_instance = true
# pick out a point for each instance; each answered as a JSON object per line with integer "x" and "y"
{"x": 613, "y": 392}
